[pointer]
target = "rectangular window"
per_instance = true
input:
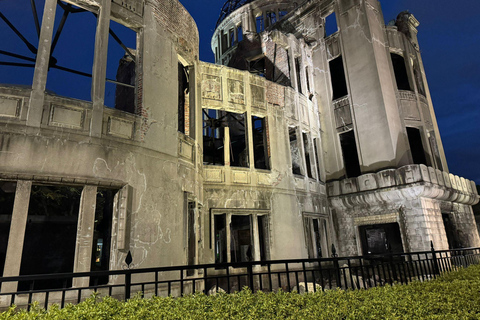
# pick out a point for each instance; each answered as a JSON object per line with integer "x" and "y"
{"x": 231, "y": 34}
{"x": 102, "y": 233}
{"x": 220, "y": 227}
{"x": 337, "y": 76}
{"x": 260, "y": 23}
{"x": 51, "y": 233}
{"x": 213, "y": 138}
{"x": 271, "y": 18}
{"x": 350, "y": 154}
{"x": 416, "y": 146}
{"x": 331, "y": 24}
{"x": 315, "y": 148}
{"x": 239, "y": 33}
{"x": 7, "y": 199}
{"x": 315, "y": 229}
{"x": 183, "y": 99}
{"x": 224, "y": 37}
{"x": 191, "y": 250}
{"x": 241, "y": 240}
{"x": 263, "y": 236}
{"x": 121, "y": 68}
{"x": 260, "y": 143}
{"x": 306, "y": 147}
{"x": 299, "y": 78}
{"x": 400, "y": 71}
{"x": 295, "y": 151}
{"x": 238, "y": 139}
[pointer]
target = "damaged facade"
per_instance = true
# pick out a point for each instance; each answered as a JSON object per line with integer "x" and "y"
{"x": 297, "y": 139}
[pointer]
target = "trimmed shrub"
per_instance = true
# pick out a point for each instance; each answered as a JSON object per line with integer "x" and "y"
{"x": 453, "y": 296}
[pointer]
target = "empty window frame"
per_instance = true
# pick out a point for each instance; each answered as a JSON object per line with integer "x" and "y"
{"x": 416, "y": 146}
{"x": 271, "y": 18}
{"x": 102, "y": 234}
{"x": 183, "y": 99}
{"x": 213, "y": 137}
{"x": 121, "y": 68}
{"x": 297, "y": 71}
{"x": 307, "y": 150}
{"x": 224, "y": 38}
{"x": 257, "y": 66}
{"x": 295, "y": 151}
{"x": 238, "y": 139}
{"x": 239, "y": 33}
{"x": 400, "y": 71}
{"x": 315, "y": 148}
{"x": 418, "y": 78}
{"x": 337, "y": 76}
{"x": 282, "y": 13}
{"x": 260, "y": 143}
{"x": 231, "y": 36}
{"x": 7, "y": 198}
{"x": 190, "y": 238}
{"x": 241, "y": 235}
{"x": 331, "y": 25}
{"x": 381, "y": 238}
{"x": 260, "y": 23}
{"x": 51, "y": 233}
{"x": 72, "y": 55}
{"x": 350, "y": 154}
{"x": 316, "y": 237}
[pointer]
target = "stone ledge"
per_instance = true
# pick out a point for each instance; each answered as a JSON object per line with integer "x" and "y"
{"x": 428, "y": 182}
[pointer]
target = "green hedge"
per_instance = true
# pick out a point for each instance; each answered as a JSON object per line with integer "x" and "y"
{"x": 453, "y": 296}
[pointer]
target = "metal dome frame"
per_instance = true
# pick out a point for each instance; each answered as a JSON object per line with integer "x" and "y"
{"x": 228, "y": 7}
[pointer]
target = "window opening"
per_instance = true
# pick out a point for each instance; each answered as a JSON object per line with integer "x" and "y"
{"x": 262, "y": 237}
{"x": 238, "y": 139}
{"x": 306, "y": 147}
{"x": 400, "y": 71}
{"x": 213, "y": 137}
{"x": 19, "y": 39}
{"x": 315, "y": 237}
{"x": 416, "y": 146}
{"x": 260, "y": 143}
{"x": 239, "y": 33}
{"x": 260, "y": 23}
{"x": 331, "y": 24}
{"x": 50, "y": 234}
{"x": 295, "y": 151}
{"x": 102, "y": 234}
{"x": 191, "y": 236}
{"x": 418, "y": 78}
{"x": 350, "y": 154}
{"x": 282, "y": 13}
{"x": 122, "y": 55}
{"x": 337, "y": 76}
{"x": 232, "y": 37}
{"x": 224, "y": 37}
{"x": 258, "y": 66}
{"x": 7, "y": 199}
{"x": 271, "y": 18}
{"x": 220, "y": 221}
{"x": 307, "y": 78}
{"x": 241, "y": 243}
{"x": 183, "y": 99}
{"x": 381, "y": 238}
{"x": 315, "y": 148}
{"x": 297, "y": 69}
{"x": 451, "y": 232}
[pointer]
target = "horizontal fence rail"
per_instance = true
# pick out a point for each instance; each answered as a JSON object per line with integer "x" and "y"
{"x": 301, "y": 275}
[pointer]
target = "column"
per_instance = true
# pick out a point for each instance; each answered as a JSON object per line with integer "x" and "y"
{"x": 99, "y": 72}
{"x": 13, "y": 258}
{"x": 37, "y": 97}
{"x": 85, "y": 229}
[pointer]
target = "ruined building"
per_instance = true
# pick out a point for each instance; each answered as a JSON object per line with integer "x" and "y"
{"x": 314, "y": 127}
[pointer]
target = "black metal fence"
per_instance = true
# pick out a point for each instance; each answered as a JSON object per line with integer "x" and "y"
{"x": 302, "y": 275}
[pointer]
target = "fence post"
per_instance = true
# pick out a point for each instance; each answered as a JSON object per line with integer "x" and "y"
{"x": 436, "y": 269}
{"x": 336, "y": 266}
{"x": 128, "y": 283}
{"x": 250, "y": 276}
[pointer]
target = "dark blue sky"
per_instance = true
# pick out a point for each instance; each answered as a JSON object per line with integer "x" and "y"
{"x": 449, "y": 40}
{"x": 449, "y": 36}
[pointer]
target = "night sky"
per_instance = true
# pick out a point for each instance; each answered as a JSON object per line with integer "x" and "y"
{"x": 449, "y": 39}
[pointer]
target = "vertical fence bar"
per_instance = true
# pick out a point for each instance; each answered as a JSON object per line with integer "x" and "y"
{"x": 250, "y": 277}
{"x": 128, "y": 283}
{"x": 205, "y": 289}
